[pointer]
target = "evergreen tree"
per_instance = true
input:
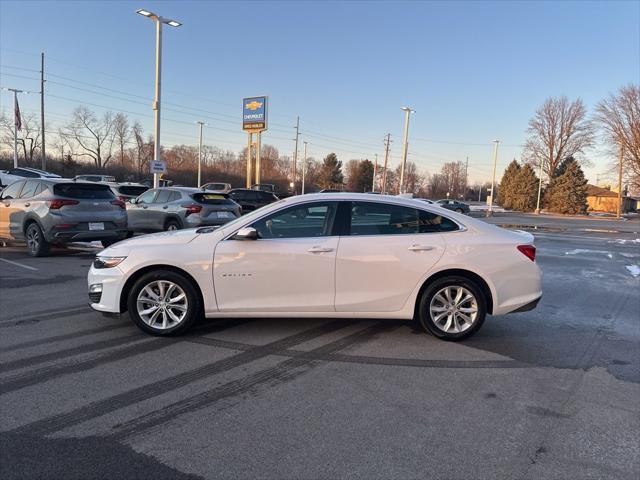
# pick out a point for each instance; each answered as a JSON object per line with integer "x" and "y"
{"x": 524, "y": 190}
{"x": 331, "y": 172}
{"x": 505, "y": 190}
{"x": 365, "y": 176}
{"x": 567, "y": 192}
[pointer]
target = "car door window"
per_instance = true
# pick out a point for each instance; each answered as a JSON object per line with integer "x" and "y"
{"x": 369, "y": 218}
{"x": 435, "y": 223}
{"x": 163, "y": 196}
{"x": 12, "y": 191}
{"x": 175, "y": 196}
{"x": 147, "y": 197}
{"x": 24, "y": 173}
{"x": 29, "y": 189}
{"x": 298, "y": 221}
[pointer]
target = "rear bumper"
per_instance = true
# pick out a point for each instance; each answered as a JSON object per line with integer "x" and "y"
{"x": 529, "y": 306}
{"x": 87, "y": 236}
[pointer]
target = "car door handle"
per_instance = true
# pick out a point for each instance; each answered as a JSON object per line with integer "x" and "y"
{"x": 144, "y": 206}
{"x": 317, "y": 249}
{"x": 420, "y": 248}
{"x": 7, "y": 204}
{"x": 27, "y": 204}
{"x": 165, "y": 207}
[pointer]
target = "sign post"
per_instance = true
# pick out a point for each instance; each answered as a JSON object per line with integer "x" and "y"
{"x": 254, "y": 120}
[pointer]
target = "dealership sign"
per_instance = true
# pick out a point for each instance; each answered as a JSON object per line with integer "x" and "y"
{"x": 254, "y": 114}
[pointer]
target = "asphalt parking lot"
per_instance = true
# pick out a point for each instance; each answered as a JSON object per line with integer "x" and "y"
{"x": 551, "y": 393}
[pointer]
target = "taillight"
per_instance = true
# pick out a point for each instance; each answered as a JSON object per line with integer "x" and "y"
{"x": 192, "y": 208}
{"x": 124, "y": 199}
{"x": 528, "y": 251}
{"x": 120, "y": 203}
{"x": 57, "y": 204}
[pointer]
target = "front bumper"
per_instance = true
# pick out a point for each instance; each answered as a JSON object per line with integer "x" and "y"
{"x": 112, "y": 281}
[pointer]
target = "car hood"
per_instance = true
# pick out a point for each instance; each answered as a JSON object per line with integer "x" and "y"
{"x": 177, "y": 237}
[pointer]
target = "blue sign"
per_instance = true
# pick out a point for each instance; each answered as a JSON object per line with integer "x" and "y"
{"x": 254, "y": 113}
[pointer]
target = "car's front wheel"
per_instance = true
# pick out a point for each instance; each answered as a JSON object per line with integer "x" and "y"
{"x": 164, "y": 302}
{"x": 36, "y": 243}
{"x": 452, "y": 308}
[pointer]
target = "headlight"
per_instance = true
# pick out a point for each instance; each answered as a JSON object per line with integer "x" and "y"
{"x": 107, "y": 262}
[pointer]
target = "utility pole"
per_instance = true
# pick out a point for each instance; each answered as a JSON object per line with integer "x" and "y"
{"x": 43, "y": 161}
{"x": 480, "y": 193}
{"x": 386, "y": 160}
{"x": 200, "y": 125}
{"x": 375, "y": 174}
{"x": 466, "y": 179}
{"x": 295, "y": 155}
{"x": 493, "y": 178}
{"x": 405, "y": 146}
{"x": 537, "y": 211}
{"x": 304, "y": 166}
{"x": 619, "y": 209}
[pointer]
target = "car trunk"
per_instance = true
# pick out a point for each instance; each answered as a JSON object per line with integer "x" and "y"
{"x": 96, "y": 209}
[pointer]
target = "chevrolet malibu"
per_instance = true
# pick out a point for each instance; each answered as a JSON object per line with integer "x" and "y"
{"x": 323, "y": 255}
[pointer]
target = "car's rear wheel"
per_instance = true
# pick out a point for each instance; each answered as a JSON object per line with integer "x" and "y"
{"x": 171, "y": 225}
{"x": 164, "y": 302}
{"x": 452, "y": 308}
{"x": 36, "y": 243}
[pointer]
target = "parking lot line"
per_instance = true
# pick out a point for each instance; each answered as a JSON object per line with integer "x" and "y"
{"x": 19, "y": 264}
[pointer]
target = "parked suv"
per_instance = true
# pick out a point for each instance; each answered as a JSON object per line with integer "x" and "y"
{"x": 173, "y": 208}
{"x": 454, "y": 205}
{"x": 95, "y": 178}
{"x": 251, "y": 199}
{"x": 127, "y": 191}
{"x": 217, "y": 187}
{"x": 52, "y": 211}
{"x": 7, "y": 177}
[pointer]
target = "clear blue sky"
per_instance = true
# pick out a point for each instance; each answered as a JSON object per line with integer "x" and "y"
{"x": 473, "y": 71}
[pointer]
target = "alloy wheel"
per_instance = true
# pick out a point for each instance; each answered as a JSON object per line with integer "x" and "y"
{"x": 33, "y": 239}
{"x": 453, "y": 309}
{"x": 171, "y": 227}
{"x": 162, "y": 304}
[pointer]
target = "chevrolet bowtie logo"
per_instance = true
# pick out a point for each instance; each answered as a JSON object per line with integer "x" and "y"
{"x": 253, "y": 105}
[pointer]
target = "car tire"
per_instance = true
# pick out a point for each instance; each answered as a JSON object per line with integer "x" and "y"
{"x": 141, "y": 300}
{"x": 452, "y": 317}
{"x": 459, "y": 210}
{"x": 36, "y": 243}
{"x": 129, "y": 234}
{"x": 109, "y": 242}
{"x": 171, "y": 225}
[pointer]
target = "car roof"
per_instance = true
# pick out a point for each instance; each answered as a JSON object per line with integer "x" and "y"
{"x": 37, "y": 170}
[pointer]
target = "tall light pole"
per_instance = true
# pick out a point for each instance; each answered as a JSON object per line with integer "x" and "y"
{"x": 304, "y": 165}
{"x": 16, "y": 121}
{"x": 619, "y": 209}
{"x": 295, "y": 155}
{"x": 405, "y": 146}
{"x": 493, "y": 177}
{"x": 537, "y": 212}
{"x": 200, "y": 125}
{"x": 156, "y": 102}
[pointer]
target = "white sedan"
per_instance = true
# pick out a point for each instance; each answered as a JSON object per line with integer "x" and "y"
{"x": 324, "y": 255}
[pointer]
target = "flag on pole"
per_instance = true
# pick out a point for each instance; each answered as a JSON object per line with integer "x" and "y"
{"x": 18, "y": 120}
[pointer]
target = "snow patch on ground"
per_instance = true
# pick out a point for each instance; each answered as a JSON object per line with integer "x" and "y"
{"x": 634, "y": 270}
{"x": 578, "y": 251}
{"x": 623, "y": 242}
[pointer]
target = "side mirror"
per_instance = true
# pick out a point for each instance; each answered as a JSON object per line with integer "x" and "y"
{"x": 133, "y": 200}
{"x": 246, "y": 233}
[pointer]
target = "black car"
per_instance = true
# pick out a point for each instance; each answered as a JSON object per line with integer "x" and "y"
{"x": 454, "y": 205}
{"x": 251, "y": 200}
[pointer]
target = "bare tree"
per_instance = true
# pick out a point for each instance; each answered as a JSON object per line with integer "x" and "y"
{"x": 559, "y": 129}
{"x": 94, "y": 136}
{"x": 619, "y": 117}
{"x": 122, "y": 133}
{"x": 142, "y": 149}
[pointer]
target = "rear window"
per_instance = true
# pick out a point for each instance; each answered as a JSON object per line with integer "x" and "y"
{"x": 83, "y": 190}
{"x": 131, "y": 190}
{"x": 211, "y": 199}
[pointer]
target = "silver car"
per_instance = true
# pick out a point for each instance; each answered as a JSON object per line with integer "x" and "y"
{"x": 173, "y": 208}
{"x": 52, "y": 211}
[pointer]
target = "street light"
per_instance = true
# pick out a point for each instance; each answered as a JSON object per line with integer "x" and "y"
{"x": 200, "y": 125}
{"x": 493, "y": 178}
{"x": 156, "y": 102}
{"x": 405, "y": 146}
{"x": 304, "y": 165}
